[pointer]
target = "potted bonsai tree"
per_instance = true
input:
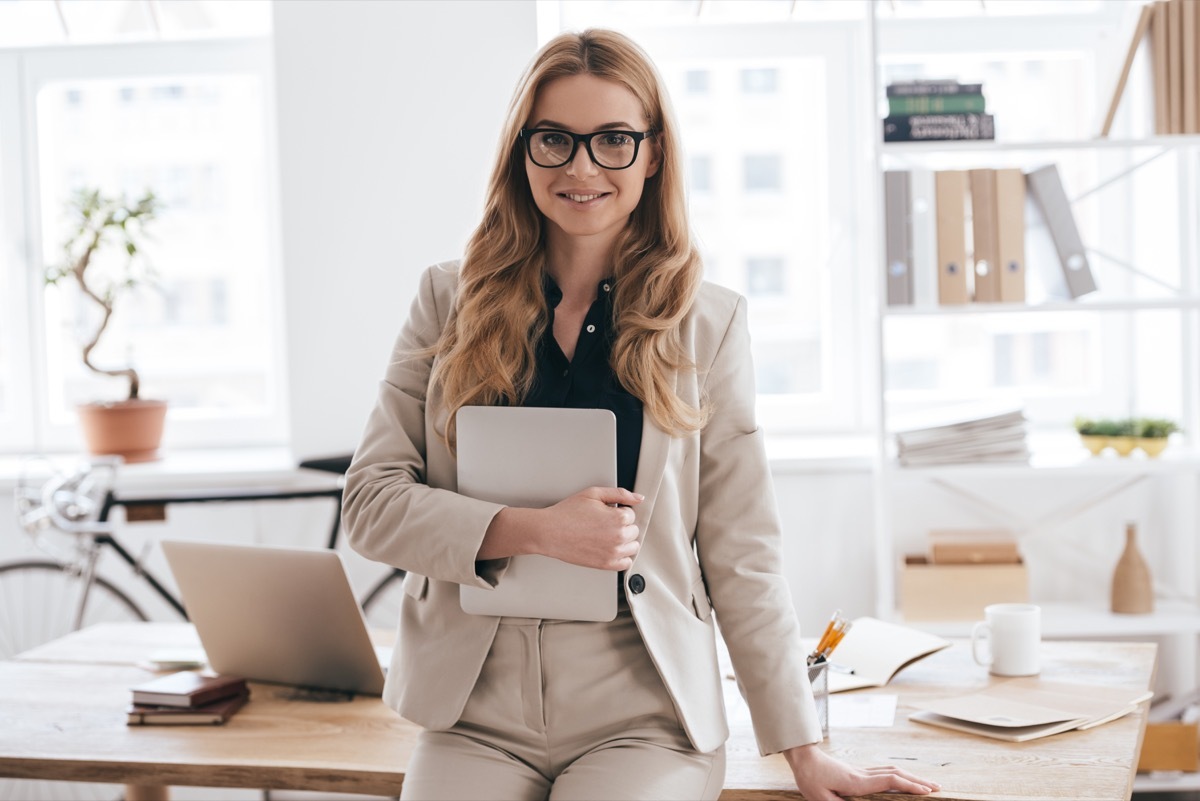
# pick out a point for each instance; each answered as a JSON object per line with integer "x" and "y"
{"x": 131, "y": 428}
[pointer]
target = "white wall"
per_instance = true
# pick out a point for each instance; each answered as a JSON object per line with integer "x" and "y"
{"x": 388, "y": 118}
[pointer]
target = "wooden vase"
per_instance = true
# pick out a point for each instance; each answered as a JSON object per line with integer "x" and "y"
{"x": 1132, "y": 587}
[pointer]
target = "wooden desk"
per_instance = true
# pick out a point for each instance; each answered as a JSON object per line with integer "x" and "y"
{"x": 62, "y": 717}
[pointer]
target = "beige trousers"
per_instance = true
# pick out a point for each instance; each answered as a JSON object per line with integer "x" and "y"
{"x": 565, "y": 710}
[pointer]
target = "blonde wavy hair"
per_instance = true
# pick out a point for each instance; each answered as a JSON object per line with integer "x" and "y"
{"x": 487, "y": 350}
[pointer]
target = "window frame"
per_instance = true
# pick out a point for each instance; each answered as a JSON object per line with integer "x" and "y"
{"x": 842, "y": 405}
{"x": 31, "y": 68}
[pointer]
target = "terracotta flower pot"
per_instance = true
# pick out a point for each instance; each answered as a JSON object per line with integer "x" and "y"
{"x": 131, "y": 429}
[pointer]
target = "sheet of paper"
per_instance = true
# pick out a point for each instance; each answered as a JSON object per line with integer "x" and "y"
{"x": 862, "y": 710}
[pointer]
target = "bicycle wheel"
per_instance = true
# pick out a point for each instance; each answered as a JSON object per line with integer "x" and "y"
{"x": 382, "y": 604}
{"x": 37, "y": 604}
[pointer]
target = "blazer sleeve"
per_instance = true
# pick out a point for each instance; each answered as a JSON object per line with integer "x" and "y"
{"x": 390, "y": 513}
{"x": 738, "y": 544}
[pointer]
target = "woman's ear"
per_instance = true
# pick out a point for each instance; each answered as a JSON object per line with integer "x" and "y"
{"x": 655, "y": 160}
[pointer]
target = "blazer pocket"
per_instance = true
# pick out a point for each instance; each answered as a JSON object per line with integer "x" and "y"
{"x": 416, "y": 586}
{"x": 700, "y": 603}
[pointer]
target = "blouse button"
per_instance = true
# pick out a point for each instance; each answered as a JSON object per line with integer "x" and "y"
{"x": 607, "y": 288}
{"x": 591, "y": 329}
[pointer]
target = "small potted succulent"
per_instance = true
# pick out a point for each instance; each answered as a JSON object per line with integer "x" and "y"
{"x": 132, "y": 427}
{"x": 1152, "y": 434}
{"x": 1126, "y": 434}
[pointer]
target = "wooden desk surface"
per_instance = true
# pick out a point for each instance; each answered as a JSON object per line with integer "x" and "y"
{"x": 62, "y": 717}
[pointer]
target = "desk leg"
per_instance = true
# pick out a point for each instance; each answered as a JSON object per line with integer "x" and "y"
{"x": 147, "y": 792}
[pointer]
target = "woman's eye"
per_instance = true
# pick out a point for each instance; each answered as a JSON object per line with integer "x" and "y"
{"x": 553, "y": 140}
{"x": 616, "y": 140}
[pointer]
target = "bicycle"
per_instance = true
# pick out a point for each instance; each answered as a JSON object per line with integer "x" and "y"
{"x": 43, "y": 599}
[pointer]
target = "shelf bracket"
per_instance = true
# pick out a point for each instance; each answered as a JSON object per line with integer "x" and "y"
{"x": 1023, "y": 525}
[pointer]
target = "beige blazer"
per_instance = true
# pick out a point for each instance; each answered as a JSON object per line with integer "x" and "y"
{"x": 710, "y": 538}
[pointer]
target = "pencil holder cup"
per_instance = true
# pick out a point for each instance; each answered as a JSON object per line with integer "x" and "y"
{"x": 818, "y": 676}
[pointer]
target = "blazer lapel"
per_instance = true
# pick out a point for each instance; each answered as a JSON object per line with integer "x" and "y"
{"x": 652, "y": 462}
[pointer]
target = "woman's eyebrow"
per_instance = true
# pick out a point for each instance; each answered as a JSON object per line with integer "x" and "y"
{"x": 608, "y": 126}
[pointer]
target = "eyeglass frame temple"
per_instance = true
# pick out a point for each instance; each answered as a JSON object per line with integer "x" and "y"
{"x": 586, "y": 141}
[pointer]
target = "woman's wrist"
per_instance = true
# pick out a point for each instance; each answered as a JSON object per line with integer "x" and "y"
{"x": 513, "y": 531}
{"x": 801, "y": 754}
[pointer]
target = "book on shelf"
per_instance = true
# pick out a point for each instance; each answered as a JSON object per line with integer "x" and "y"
{"x": 984, "y": 253}
{"x": 1027, "y": 708}
{"x": 210, "y": 714}
{"x": 931, "y": 87}
{"x": 1009, "y": 204}
{"x": 923, "y": 237}
{"x": 908, "y": 105}
{"x": 1046, "y": 189}
{"x": 187, "y": 689}
{"x": 897, "y": 247}
{"x": 1173, "y": 30}
{"x": 950, "y": 188}
{"x": 938, "y": 127}
{"x": 875, "y": 651}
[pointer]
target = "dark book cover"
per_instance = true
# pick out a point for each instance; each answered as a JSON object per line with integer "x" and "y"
{"x": 212, "y": 714}
{"x": 187, "y": 689}
{"x": 938, "y": 127}
{"x": 934, "y": 87}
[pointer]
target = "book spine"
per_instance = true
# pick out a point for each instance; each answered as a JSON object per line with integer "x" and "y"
{"x": 938, "y": 127}
{"x": 935, "y": 104}
{"x": 909, "y": 88}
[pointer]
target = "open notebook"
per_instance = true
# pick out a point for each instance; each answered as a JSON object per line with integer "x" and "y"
{"x": 876, "y": 651}
{"x": 1027, "y": 708}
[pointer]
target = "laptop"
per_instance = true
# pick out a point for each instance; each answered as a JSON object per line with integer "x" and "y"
{"x": 281, "y": 615}
{"x": 536, "y": 457}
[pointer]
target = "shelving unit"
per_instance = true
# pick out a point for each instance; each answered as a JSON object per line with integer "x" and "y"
{"x": 1084, "y": 486}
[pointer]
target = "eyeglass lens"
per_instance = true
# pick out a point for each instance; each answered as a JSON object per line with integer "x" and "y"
{"x": 609, "y": 149}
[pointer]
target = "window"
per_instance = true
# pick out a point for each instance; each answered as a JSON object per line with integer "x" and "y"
{"x": 700, "y": 173}
{"x": 762, "y": 173}
{"x": 773, "y": 196}
{"x": 766, "y": 277}
{"x": 191, "y": 123}
{"x": 696, "y": 82}
{"x": 759, "y": 81}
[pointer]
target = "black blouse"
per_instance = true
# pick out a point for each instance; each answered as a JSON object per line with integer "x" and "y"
{"x": 587, "y": 381}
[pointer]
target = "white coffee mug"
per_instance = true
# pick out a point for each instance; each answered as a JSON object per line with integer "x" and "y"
{"x": 1013, "y": 633}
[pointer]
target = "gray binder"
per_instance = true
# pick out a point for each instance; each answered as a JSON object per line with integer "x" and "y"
{"x": 1046, "y": 188}
{"x": 897, "y": 213}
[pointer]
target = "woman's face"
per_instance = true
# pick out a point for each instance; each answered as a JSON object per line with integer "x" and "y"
{"x": 580, "y": 199}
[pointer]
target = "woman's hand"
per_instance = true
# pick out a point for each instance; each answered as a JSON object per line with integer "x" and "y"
{"x": 820, "y": 777}
{"x": 584, "y": 529}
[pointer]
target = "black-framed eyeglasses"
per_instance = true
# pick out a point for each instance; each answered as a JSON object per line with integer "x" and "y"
{"x": 612, "y": 150}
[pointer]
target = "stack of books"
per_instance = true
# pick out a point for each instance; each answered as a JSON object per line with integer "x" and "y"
{"x": 986, "y": 438}
{"x": 187, "y": 698}
{"x": 937, "y": 110}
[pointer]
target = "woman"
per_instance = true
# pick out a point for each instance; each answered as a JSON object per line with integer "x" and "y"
{"x": 582, "y": 287}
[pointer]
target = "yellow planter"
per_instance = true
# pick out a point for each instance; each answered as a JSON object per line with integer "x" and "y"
{"x": 1123, "y": 445}
{"x": 1093, "y": 443}
{"x": 1152, "y": 446}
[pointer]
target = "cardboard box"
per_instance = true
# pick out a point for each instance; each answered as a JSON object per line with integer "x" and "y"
{"x": 958, "y": 592}
{"x": 1170, "y": 746}
{"x": 972, "y": 547}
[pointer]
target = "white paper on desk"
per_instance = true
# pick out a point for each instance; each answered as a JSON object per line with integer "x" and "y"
{"x": 862, "y": 711}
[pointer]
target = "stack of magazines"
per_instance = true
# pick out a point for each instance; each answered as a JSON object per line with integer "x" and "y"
{"x": 994, "y": 437}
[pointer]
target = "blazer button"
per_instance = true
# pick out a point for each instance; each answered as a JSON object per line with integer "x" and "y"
{"x": 636, "y": 583}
